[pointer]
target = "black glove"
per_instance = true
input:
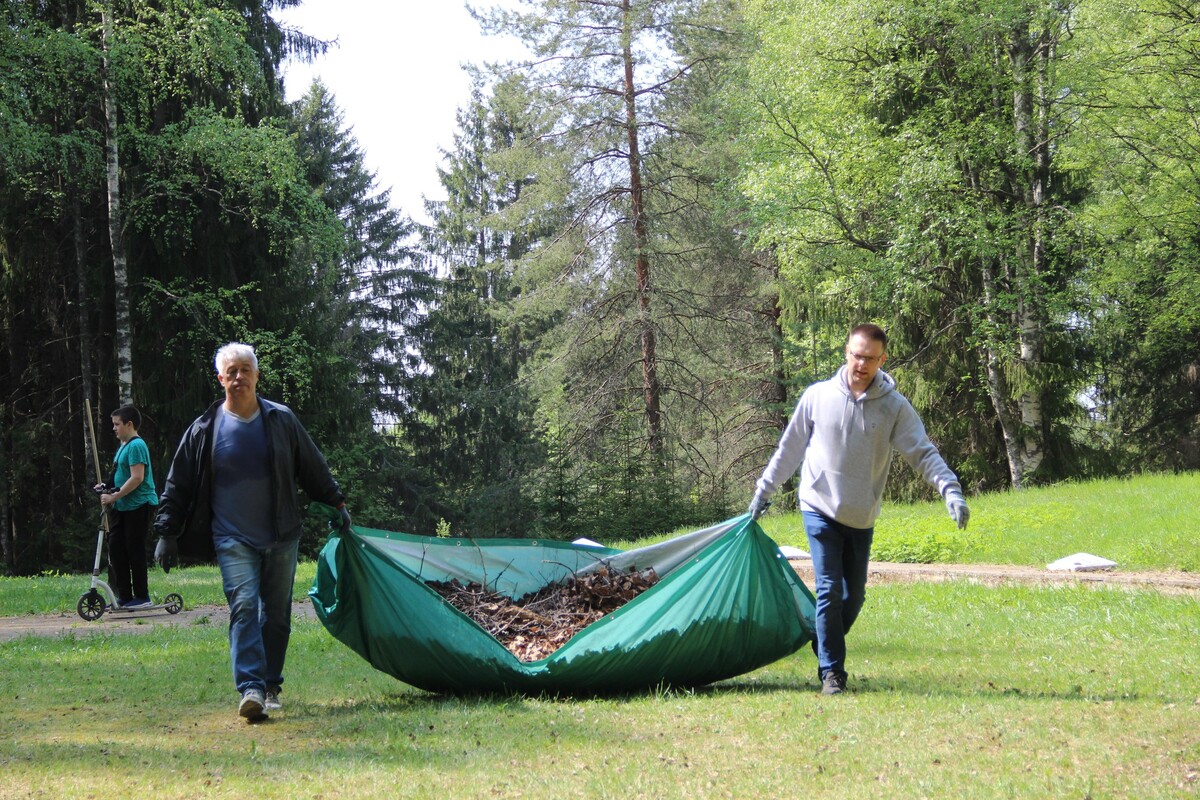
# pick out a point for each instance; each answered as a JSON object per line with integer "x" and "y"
{"x": 166, "y": 552}
{"x": 345, "y": 515}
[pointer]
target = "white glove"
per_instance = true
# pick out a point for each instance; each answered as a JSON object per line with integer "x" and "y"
{"x": 957, "y": 507}
{"x": 759, "y": 505}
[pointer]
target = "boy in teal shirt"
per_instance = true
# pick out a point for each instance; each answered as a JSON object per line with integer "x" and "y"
{"x": 129, "y": 510}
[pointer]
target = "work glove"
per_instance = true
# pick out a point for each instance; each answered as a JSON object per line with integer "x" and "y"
{"x": 759, "y": 505}
{"x": 344, "y": 513}
{"x": 166, "y": 552}
{"x": 957, "y": 507}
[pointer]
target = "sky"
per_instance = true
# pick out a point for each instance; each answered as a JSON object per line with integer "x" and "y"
{"x": 396, "y": 73}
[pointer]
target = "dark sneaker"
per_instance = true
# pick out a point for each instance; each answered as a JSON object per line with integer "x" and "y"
{"x": 272, "y": 702}
{"x": 252, "y": 704}
{"x": 137, "y": 602}
{"x": 833, "y": 683}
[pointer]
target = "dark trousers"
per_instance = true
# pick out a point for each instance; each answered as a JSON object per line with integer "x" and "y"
{"x": 127, "y": 553}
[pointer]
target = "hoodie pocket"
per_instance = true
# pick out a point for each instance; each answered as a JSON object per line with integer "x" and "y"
{"x": 848, "y": 496}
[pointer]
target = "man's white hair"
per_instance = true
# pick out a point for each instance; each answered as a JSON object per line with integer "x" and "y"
{"x": 235, "y": 351}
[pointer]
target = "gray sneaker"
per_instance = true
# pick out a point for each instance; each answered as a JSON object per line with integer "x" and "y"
{"x": 272, "y": 702}
{"x": 833, "y": 683}
{"x": 252, "y": 704}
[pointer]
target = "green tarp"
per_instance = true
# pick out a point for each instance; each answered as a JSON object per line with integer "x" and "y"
{"x": 726, "y": 603}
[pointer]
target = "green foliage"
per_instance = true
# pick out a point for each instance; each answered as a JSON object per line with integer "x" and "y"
{"x": 1137, "y": 80}
{"x": 653, "y": 304}
{"x": 915, "y": 546}
{"x": 468, "y": 420}
{"x": 894, "y": 188}
{"x": 231, "y": 233}
{"x": 1007, "y": 188}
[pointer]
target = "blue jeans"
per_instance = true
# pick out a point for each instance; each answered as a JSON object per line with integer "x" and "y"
{"x": 258, "y": 586}
{"x": 840, "y": 555}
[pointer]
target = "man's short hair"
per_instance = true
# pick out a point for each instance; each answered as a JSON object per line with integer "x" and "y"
{"x": 235, "y": 351}
{"x": 869, "y": 330}
{"x": 128, "y": 414}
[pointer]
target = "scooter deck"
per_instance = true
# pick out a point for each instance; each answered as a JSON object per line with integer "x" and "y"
{"x": 123, "y": 610}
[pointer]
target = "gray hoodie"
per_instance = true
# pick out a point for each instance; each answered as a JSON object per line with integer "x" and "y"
{"x": 845, "y": 449}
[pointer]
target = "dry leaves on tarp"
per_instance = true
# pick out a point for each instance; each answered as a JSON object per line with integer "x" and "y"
{"x": 537, "y": 624}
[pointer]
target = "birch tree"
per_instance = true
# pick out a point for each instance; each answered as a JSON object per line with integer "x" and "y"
{"x": 122, "y": 333}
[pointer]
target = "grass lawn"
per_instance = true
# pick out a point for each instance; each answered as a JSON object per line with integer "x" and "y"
{"x": 956, "y": 690}
{"x": 1143, "y": 523}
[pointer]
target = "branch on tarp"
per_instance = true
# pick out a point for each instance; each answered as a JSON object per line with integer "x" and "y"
{"x": 536, "y": 625}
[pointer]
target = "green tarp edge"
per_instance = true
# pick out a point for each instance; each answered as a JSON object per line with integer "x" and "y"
{"x": 727, "y": 602}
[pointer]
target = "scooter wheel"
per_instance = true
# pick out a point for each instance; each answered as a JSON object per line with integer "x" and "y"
{"x": 91, "y": 606}
{"x": 173, "y": 603}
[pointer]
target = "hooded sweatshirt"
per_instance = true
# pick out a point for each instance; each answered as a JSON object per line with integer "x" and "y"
{"x": 844, "y": 448}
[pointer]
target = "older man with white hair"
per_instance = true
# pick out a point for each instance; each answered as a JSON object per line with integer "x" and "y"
{"x": 234, "y": 476}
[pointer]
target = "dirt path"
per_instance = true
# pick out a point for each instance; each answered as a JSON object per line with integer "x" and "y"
{"x": 997, "y": 574}
{"x": 70, "y": 623}
{"x": 1179, "y": 583}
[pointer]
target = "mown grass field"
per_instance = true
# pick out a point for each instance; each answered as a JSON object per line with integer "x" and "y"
{"x": 957, "y": 690}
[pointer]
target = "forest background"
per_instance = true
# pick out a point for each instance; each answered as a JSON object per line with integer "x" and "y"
{"x": 657, "y": 231}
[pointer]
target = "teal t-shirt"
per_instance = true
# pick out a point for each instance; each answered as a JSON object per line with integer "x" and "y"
{"x": 134, "y": 452}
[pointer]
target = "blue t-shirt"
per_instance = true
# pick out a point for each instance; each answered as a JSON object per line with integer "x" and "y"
{"x": 134, "y": 452}
{"x": 241, "y": 488}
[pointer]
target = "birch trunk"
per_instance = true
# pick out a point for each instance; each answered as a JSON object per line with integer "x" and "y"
{"x": 122, "y": 335}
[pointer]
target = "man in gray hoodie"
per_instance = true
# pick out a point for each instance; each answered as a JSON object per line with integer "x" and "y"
{"x": 841, "y": 436}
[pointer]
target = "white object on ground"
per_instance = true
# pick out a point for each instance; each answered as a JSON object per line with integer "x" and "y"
{"x": 794, "y": 553}
{"x": 587, "y": 542}
{"x": 1081, "y": 562}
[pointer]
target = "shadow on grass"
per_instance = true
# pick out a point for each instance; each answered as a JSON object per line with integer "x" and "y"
{"x": 809, "y": 686}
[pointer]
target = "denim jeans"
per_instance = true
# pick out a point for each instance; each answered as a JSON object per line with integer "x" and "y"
{"x": 258, "y": 586}
{"x": 840, "y": 555}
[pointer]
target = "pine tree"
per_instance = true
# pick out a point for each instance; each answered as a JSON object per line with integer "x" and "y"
{"x": 470, "y": 420}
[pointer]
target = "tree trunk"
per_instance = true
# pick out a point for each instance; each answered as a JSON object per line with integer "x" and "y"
{"x": 1028, "y": 59}
{"x": 777, "y": 394}
{"x": 997, "y": 385}
{"x": 85, "y": 339}
{"x": 123, "y": 335}
{"x": 6, "y": 543}
{"x": 650, "y": 386}
{"x": 6, "y": 419}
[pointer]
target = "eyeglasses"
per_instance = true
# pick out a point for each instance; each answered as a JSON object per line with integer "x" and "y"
{"x": 863, "y": 358}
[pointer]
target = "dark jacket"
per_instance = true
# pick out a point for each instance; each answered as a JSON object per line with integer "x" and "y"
{"x": 294, "y": 458}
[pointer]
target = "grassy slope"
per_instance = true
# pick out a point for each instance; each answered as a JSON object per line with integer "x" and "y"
{"x": 1143, "y": 523}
